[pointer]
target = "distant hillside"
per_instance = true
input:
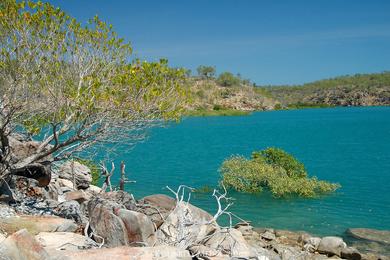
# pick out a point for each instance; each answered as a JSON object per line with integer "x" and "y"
{"x": 357, "y": 90}
{"x": 212, "y": 96}
{"x": 208, "y": 97}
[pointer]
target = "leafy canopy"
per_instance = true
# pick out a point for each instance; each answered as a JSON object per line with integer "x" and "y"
{"x": 272, "y": 169}
{"x": 77, "y": 85}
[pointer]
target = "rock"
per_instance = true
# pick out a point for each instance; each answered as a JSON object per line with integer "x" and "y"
{"x": 82, "y": 174}
{"x": 293, "y": 253}
{"x": 140, "y": 228}
{"x": 94, "y": 189}
{"x": 37, "y": 224}
{"x": 2, "y": 237}
{"x": 161, "y": 201}
{"x": 186, "y": 225}
{"x": 105, "y": 224}
{"x": 126, "y": 253}
{"x": 311, "y": 244}
{"x": 351, "y": 253}
{"x": 70, "y": 210}
{"x": 205, "y": 252}
{"x": 22, "y": 246}
{"x": 331, "y": 246}
{"x": 231, "y": 242}
{"x": 65, "y": 183}
{"x": 53, "y": 241}
{"x": 120, "y": 197}
{"x": 80, "y": 196}
{"x": 380, "y": 236}
{"x": 292, "y": 238}
{"x": 6, "y": 211}
{"x": 268, "y": 236}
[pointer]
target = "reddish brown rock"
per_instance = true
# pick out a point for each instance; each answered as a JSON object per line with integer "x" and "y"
{"x": 21, "y": 246}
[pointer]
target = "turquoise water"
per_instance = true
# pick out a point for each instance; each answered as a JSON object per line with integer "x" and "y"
{"x": 346, "y": 145}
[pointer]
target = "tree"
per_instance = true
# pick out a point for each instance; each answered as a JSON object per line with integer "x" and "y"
{"x": 75, "y": 85}
{"x": 227, "y": 79}
{"x": 272, "y": 169}
{"x": 206, "y": 72}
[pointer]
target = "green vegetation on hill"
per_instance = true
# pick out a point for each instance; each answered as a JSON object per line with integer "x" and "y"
{"x": 275, "y": 170}
{"x": 356, "y": 90}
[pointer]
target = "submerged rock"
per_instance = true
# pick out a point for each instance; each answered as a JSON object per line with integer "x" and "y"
{"x": 380, "y": 236}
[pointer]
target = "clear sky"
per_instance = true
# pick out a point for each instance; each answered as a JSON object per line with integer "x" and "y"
{"x": 269, "y": 42}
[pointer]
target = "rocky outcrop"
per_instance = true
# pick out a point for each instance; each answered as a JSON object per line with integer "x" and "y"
{"x": 54, "y": 241}
{"x": 21, "y": 246}
{"x": 37, "y": 224}
{"x": 76, "y": 171}
{"x": 128, "y": 253}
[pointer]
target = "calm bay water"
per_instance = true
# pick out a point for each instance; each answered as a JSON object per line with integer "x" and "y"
{"x": 346, "y": 145}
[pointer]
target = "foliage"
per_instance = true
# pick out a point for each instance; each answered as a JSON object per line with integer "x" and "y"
{"x": 227, "y": 79}
{"x": 77, "y": 85}
{"x": 206, "y": 72}
{"x": 272, "y": 169}
{"x": 95, "y": 169}
{"x": 204, "y": 189}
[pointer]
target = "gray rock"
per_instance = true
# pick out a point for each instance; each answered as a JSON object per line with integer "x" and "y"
{"x": 70, "y": 210}
{"x": 351, "y": 253}
{"x": 267, "y": 235}
{"x": 157, "y": 207}
{"x": 312, "y": 244}
{"x": 331, "y": 246}
{"x": 186, "y": 225}
{"x": 82, "y": 174}
{"x": 21, "y": 246}
{"x": 231, "y": 242}
{"x": 140, "y": 229}
{"x": 120, "y": 197}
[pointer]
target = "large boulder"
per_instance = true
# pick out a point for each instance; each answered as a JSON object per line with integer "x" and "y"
{"x": 79, "y": 195}
{"x": 104, "y": 225}
{"x": 331, "y": 246}
{"x": 126, "y": 253}
{"x": 72, "y": 170}
{"x": 140, "y": 229}
{"x": 37, "y": 224}
{"x": 53, "y": 241}
{"x": 185, "y": 226}
{"x": 157, "y": 207}
{"x": 120, "y": 198}
{"x": 21, "y": 246}
{"x": 231, "y": 242}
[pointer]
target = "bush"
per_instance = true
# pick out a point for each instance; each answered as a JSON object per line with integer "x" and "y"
{"x": 275, "y": 170}
{"x": 227, "y": 79}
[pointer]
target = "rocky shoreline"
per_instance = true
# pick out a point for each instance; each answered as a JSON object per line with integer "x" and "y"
{"x": 68, "y": 218}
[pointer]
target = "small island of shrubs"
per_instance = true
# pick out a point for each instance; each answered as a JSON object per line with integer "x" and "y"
{"x": 275, "y": 170}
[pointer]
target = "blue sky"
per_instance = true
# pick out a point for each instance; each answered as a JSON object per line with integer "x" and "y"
{"x": 269, "y": 42}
